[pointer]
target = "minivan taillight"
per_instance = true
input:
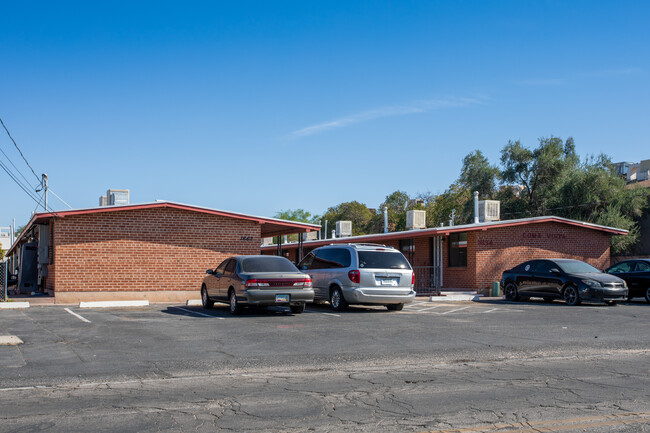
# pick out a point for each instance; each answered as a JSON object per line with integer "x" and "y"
{"x": 413, "y": 278}
{"x": 354, "y": 276}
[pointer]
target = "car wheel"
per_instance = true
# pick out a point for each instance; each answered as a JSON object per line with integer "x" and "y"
{"x": 297, "y": 309}
{"x": 205, "y": 299}
{"x": 511, "y": 292}
{"x": 337, "y": 300}
{"x": 647, "y": 295}
{"x": 571, "y": 295}
{"x": 235, "y": 306}
{"x": 395, "y": 307}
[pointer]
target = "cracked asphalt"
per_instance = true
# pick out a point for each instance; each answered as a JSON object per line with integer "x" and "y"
{"x": 493, "y": 367}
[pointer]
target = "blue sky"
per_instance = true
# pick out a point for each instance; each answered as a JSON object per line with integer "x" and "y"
{"x": 258, "y": 107}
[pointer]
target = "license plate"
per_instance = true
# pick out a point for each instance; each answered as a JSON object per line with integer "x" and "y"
{"x": 388, "y": 282}
{"x": 281, "y": 298}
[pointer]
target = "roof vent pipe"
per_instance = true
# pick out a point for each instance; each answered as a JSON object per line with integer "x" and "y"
{"x": 385, "y": 219}
{"x": 325, "y": 231}
{"x": 476, "y": 219}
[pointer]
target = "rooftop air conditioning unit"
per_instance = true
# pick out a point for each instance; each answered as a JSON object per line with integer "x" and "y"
{"x": 489, "y": 210}
{"x": 310, "y": 236}
{"x": 416, "y": 219}
{"x": 343, "y": 229}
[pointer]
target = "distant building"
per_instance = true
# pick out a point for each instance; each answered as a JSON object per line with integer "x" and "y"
{"x": 5, "y": 238}
{"x": 633, "y": 172}
{"x": 115, "y": 197}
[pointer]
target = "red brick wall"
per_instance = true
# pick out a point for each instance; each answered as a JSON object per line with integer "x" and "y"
{"x": 145, "y": 250}
{"x": 503, "y": 248}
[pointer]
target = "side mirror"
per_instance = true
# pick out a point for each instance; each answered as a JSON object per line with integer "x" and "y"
{"x": 209, "y": 272}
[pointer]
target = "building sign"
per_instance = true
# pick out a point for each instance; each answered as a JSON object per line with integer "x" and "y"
{"x": 533, "y": 235}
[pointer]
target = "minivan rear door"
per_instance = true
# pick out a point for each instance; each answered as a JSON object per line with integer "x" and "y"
{"x": 384, "y": 272}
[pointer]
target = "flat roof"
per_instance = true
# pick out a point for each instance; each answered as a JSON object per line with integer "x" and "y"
{"x": 269, "y": 226}
{"x": 446, "y": 230}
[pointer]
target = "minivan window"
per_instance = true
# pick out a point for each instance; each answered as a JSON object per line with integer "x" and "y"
{"x": 382, "y": 260}
{"x": 266, "y": 264}
{"x": 332, "y": 258}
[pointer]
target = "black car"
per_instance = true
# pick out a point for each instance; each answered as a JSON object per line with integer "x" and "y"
{"x": 636, "y": 274}
{"x": 571, "y": 280}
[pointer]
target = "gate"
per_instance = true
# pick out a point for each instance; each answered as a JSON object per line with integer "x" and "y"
{"x": 3, "y": 281}
{"x": 428, "y": 279}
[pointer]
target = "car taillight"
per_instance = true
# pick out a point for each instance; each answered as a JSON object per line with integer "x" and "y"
{"x": 354, "y": 276}
{"x": 256, "y": 283}
{"x": 305, "y": 282}
{"x": 413, "y": 278}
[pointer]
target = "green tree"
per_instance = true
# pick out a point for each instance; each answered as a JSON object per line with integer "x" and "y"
{"x": 353, "y": 211}
{"x": 397, "y": 203}
{"x": 299, "y": 215}
{"x": 554, "y": 181}
{"x": 477, "y": 174}
{"x": 2, "y": 253}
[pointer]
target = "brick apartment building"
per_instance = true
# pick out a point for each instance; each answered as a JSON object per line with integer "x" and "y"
{"x": 472, "y": 256}
{"x": 157, "y": 251}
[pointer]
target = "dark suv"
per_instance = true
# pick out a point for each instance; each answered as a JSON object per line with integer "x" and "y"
{"x": 571, "y": 280}
{"x": 346, "y": 274}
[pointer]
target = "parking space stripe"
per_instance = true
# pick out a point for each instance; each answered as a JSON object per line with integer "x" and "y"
{"x": 83, "y": 319}
{"x": 196, "y": 312}
{"x": 429, "y": 308}
{"x": 453, "y": 311}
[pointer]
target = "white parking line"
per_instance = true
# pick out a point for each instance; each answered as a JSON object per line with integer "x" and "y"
{"x": 430, "y": 308}
{"x": 489, "y": 311}
{"x": 83, "y": 319}
{"x": 196, "y": 312}
{"x": 453, "y": 311}
{"x": 332, "y": 314}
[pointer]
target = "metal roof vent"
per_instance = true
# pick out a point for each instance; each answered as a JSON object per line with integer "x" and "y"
{"x": 343, "y": 229}
{"x": 489, "y": 210}
{"x": 416, "y": 219}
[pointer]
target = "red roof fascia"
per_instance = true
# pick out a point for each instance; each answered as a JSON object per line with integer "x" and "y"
{"x": 445, "y": 231}
{"x": 63, "y": 214}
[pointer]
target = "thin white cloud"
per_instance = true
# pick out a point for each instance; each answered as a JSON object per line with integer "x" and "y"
{"x": 389, "y": 111}
{"x": 543, "y": 82}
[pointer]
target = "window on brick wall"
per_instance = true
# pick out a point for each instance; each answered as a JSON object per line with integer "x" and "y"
{"x": 458, "y": 250}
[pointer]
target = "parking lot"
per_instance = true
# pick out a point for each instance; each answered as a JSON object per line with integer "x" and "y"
{"x": 452, "y": 366}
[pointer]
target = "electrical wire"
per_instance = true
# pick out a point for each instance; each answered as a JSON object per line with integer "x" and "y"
{"x": 63, "y": 201}
{"x": 19, "y": 151}
{"x": 17, "y": 170}
{"x": 12, "y": 176}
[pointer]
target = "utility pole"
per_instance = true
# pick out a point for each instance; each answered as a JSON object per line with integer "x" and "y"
{"x": 44, "y": 184}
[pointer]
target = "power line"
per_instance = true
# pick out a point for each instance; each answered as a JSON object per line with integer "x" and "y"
{"x": 17, "y": 170}
{"x": 19, "y": 151}
{"x": 63, "y": 201}
{"x": 11, "y": 175}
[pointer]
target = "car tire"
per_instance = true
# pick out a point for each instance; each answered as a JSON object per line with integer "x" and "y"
{"x": 337, "y": 301}
{"x": 571, "y": 295}
{"x": 205, "y": 299}
{"x": 395, "y": 307}
{"x": 511, "y": 293}
{"x": 235, "y": 306}
{"x": 647, "y": 295}
{"x": 297, "y": 309}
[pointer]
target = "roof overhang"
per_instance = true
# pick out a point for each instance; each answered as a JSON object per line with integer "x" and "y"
{"x": 446, "y": 231}
{"x": 269, "y": 226}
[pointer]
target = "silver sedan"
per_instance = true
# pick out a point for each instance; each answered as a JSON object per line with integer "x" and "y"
{"x": 257, "y": 281}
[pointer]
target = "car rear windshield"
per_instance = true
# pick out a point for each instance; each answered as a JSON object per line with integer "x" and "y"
{"x": 267, "y": 264}
{"x": 577, "y": 267}
{"x": 382, "y": 260}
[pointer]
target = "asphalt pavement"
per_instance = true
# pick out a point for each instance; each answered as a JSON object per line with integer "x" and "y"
{"x": 454, "y": 366}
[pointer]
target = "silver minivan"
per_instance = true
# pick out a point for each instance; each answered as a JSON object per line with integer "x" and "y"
{"x": 346, "y": 274}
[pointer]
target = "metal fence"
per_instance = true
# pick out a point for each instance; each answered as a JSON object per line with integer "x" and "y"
{"x": 3, "y": 281}
{"x": 428, "y": 280}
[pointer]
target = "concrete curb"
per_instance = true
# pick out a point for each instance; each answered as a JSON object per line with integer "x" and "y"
{"x": 12, "y": 305}
{"x": 454, "y": 298}
{"x": 194, "y": 303}
{"x": 113, "y": 304}
{"x": 10, "y": 340}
